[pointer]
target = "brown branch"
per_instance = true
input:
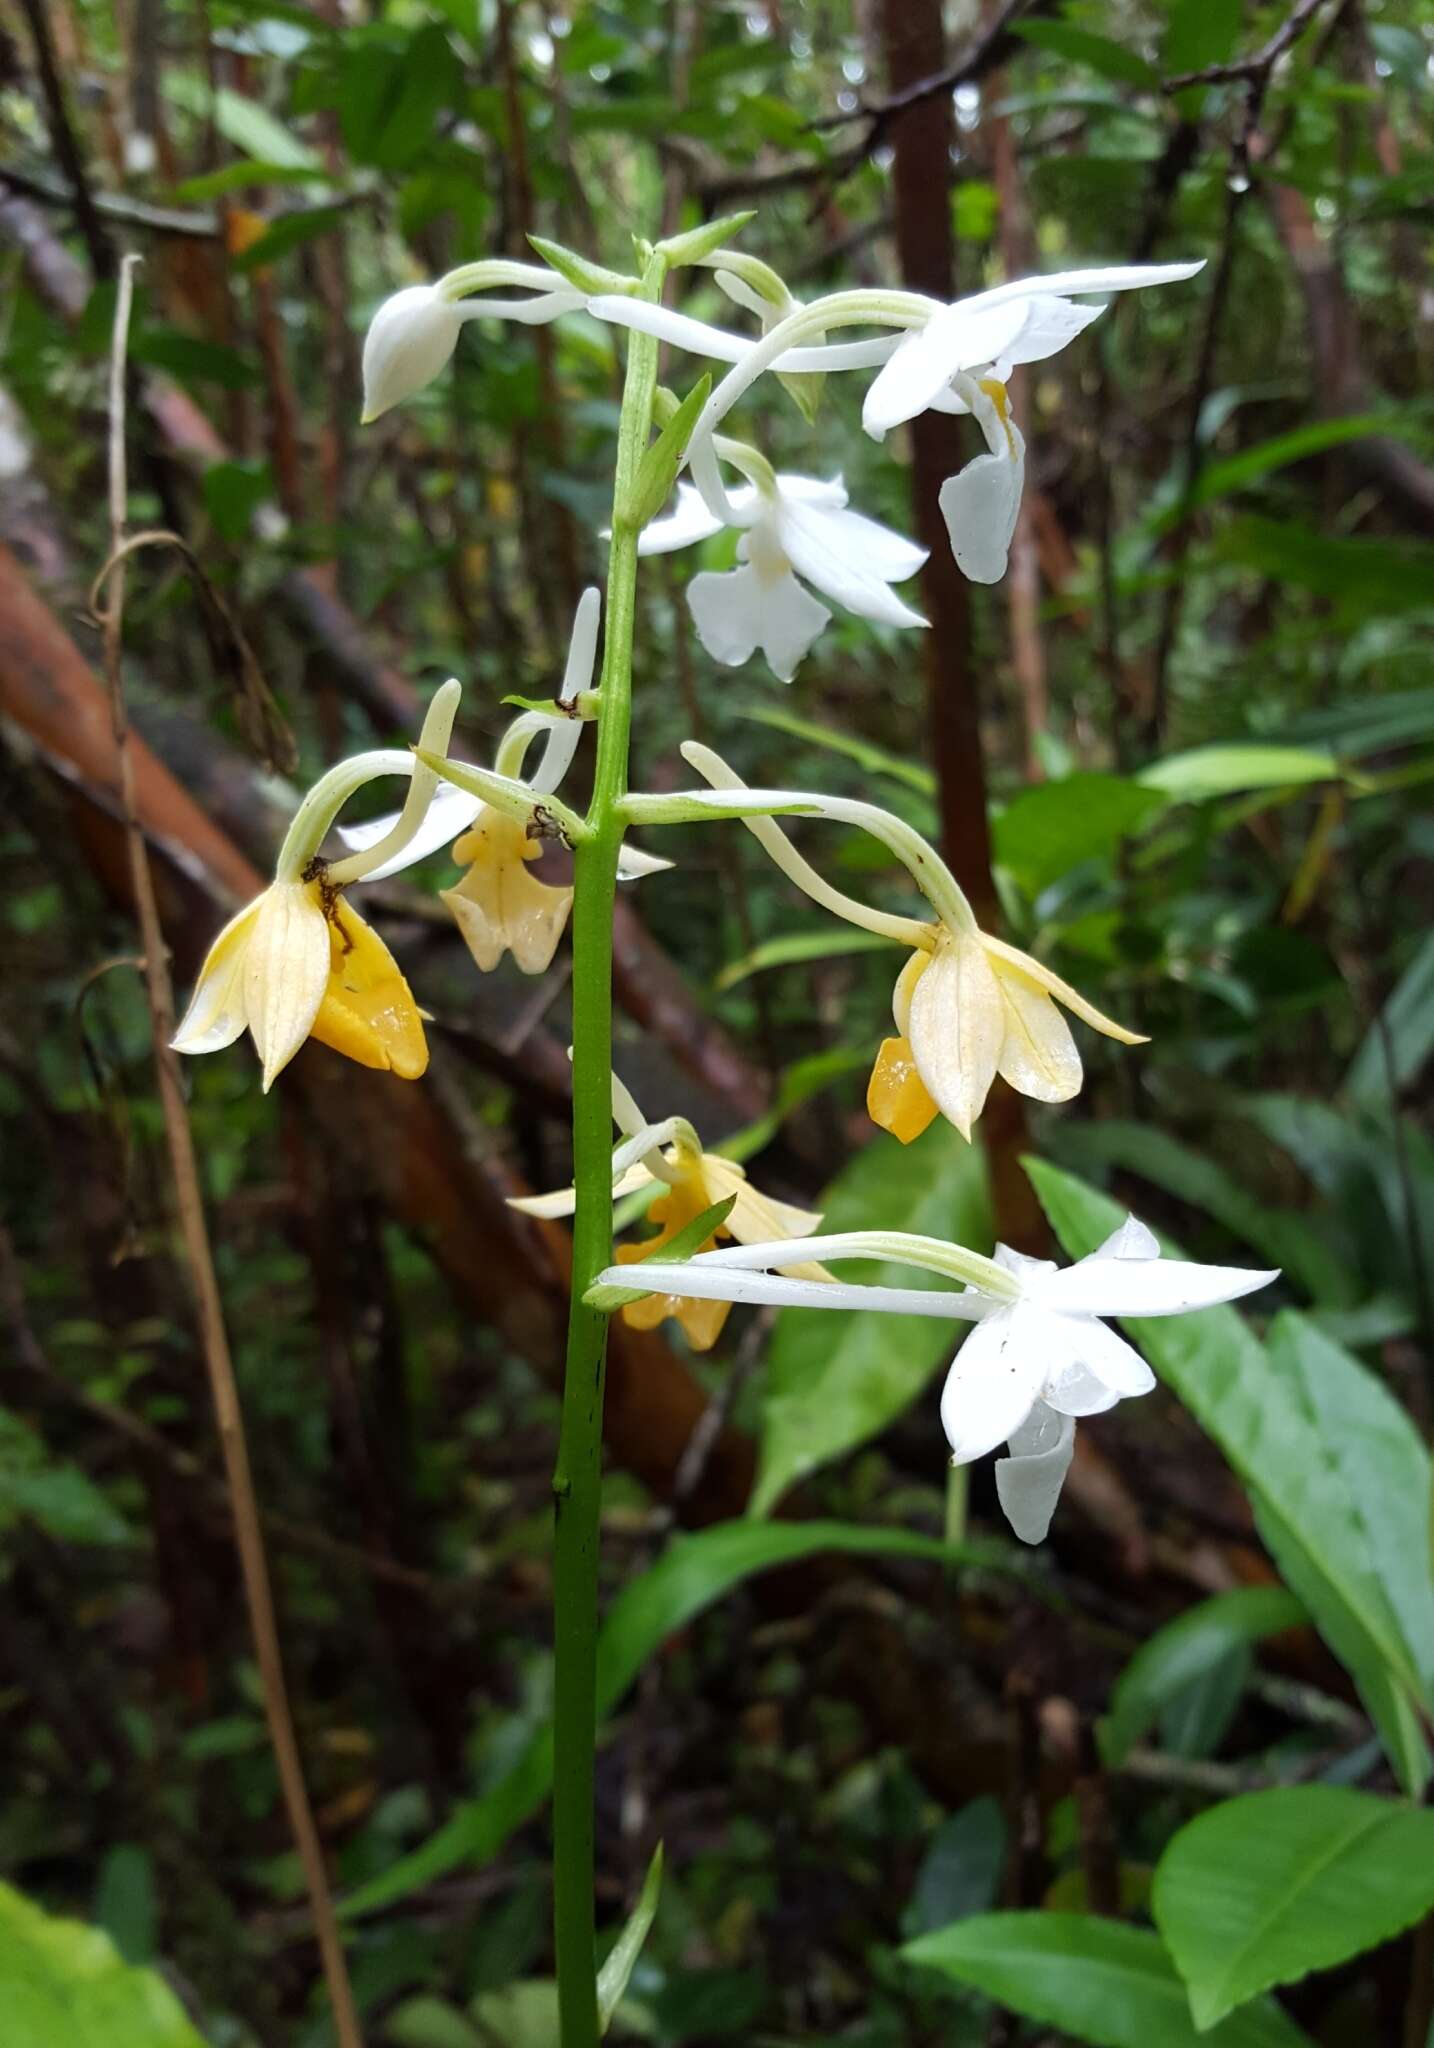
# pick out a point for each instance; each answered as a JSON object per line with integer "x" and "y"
{"x": 64, "y": 142}
{"x": 113, "y": 206}
{"x": 195, "y": 1235}
{"x": 1255, "y": 70}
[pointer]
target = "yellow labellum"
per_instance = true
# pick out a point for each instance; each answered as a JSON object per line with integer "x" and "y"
{"x": 368, "y": 1012}
{"x": 498, "y": 905}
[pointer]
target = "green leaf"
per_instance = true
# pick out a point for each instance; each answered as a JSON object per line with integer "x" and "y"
{"x": 876, "y": 760}
{"x": 613, "y": 1976}
{"x": 1235, "y": 472}
{"x": 1184, "y": 1651}
{"x": 428, "y": 2022}
{"x": 1093, "y": 1979}
{"x": 791, "y": 949}
{"x": 125, "y": 1905}
{"x": 834, "y": 1380}
{"x": 692, "y": 1573}
{"x": 251, "y": 128}
{"x": 390, "y": 98}
{"x": 236, "y": 177}
{"x": 1385, "y": 1466}
{"x": 1266, "y": 1887}
{"x": 53, "y": 1493}
{"x": 289, "y": 231}
{"x": 1256, "y": 1411}
{"x": 1363, "y": 575}
{"x": 1406, "y": 1028}
{"x": 1097, "y": 53}
{"x": 64, "y": 1983}
{"x": 1222, "y": 770}
{"x": 1052, "y": 827}
{"x": 194, "y": 361}
{"x": 961, "y": 1870}
{"x": 233, "y": 493}
{"x": 1198, "y": 33}
{"x": 657, "y": 472}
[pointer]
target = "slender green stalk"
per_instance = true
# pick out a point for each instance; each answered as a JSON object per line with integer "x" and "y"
{"x": 577, "y": 1480}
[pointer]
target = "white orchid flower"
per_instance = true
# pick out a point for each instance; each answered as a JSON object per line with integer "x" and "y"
{"x": 791, "y": 526}
{"x": 670, "y": 1154}
{"x": 299, "y": 962}
{"x": 499, "y": 906}
{"x": 966, "y": 1005}
{"x": 1040, "y": 1354}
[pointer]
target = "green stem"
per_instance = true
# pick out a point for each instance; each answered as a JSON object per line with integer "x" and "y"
{"x": 577, "y": 1479}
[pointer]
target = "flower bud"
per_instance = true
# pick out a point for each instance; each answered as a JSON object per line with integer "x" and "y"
{"x": 412, "y": 336}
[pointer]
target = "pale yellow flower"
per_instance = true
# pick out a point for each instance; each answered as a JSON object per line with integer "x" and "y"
{"x": 498, "y": 905}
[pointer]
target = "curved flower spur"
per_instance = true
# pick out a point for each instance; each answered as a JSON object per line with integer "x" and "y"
{"x": 499, "y": 906}
{"x": 1040, "y": 1354}
{"x": 967, "y": 1006}
{"x": 695, "y": 1184}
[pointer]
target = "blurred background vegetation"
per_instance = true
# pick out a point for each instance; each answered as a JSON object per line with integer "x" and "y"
{"x": 1183, "y": 754}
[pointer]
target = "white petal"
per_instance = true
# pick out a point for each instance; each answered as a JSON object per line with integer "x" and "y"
{"x": 992, "y": 1383}
{"x": 1131, "y": 1241}
{"x": 688, "y": 522}
{"x": 1104, "y": 1352}
{"x": 739, "y": 610}
{"x": 563, "y": 1201}
{"x": 1050, "y": 324}
{"x": 956, "y": 1027}
{"x": 829, "y": 548}
{"x": 409, "y": 340}
{"x": 559, "y": 746}
{"x": 1119, "y": 277}
{"x": 956, "y": 337}
{"x": 215, "y": 1016}
{"x": 1029, "y": 1482}
{"x": 1026, "y": 1269}
{"x": 582, "y": 645}
{"x": 1148, "y": 1287}
{"x": 451, "y": 813}
{"x": 286, "y": 970}
{"x": 704, "y": 340}
{"x": 811, "y": 490}
{"x": 980, "y": 505}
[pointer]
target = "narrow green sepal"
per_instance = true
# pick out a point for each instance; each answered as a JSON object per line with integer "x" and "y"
{"x": 582, "y": 275}
{"x": 549, "y": 706}
{"x": 700, "y": 242}
{"x": 657, "y": 472}
{"x": 613, "y": 1976}
{"x": 683, "y": 1244}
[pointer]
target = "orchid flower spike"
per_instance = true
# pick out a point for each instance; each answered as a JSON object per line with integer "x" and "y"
{"x": 966, "y": 1006}
{"x": 961, "y": 361}
{"x": 299, "y": 962}
{"x": 791, "y": 526}
{"x": 670, "y": 1155}
{"x": 499, "y": 906}
{"x": 413, "y": 333}
{"x": 1040, "y": 1354}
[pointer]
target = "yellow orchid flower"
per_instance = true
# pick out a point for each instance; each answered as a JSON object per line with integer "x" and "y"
{"x": 499, "y": 906}
{"x": 671, "y": 1152}
{"x": 968, "y": 1009}
{"x": 299, "y": 962}
{"x": 967, "y": 1006}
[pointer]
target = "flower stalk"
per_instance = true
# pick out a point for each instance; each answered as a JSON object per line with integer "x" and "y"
{"x": 577, "y": 1477}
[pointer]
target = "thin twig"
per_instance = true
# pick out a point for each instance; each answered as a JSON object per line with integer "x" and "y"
{"x": 115, "y": 206}
{"x": 189, "y": 1203}
{"x": 1256, "y": 69}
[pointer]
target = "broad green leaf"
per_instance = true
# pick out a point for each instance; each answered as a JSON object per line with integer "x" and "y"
{"x": 288, "y": 231}
{"x": 236, "y": 177}
{"x": 1385, "y": 1466}
{"x": 1407, "y": 1028}
{"x": 1198, "y": 33}
{"x": 692, "y": 1573}
{"x": 1259, "y": 1418}
{"x": 1222, "y": 770}
{"x": 251, "y": 128}
{"x": 233, "y": 493}
{"x": 1184, "y": 1651}
{"x": 64, "y": 1985}
{"x": 1095, "y": 1980}
{"x": 1054, "y": 826}
{"x": 1235, "y": 472}
{"x": 1266, "y": 1887}
{"x": 961, "y": 1870}
{"x": 194, "y": 361}
{"x": 428, "y": 2022}
{"x": 391, "y": 99}
{"x": 51, "y": 1492}
{"x": 876, "y": 760}
{"x": 1279, "y": 1236}
{"x": 834, "y": 1380}
{"x": 125, "y": 1904}
{"x": 1360, "y": 573}
{"x": 613, "y": 1976}
{"x": 790, "y": 949}
{"x": 1097, "y": 53}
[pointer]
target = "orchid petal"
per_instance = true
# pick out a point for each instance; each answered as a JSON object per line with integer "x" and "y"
{"x": 1072, "y": 998}
{"x": 368, "y": 1012}
{"x": 980, "y": 505}
{"x": 1029, "y": 1481}
{"x": 957, "y": 1028}
{"x": 286, "y": 968}
{"x": 215, "y": 1017}
{"x": 991, "y": 1385}
{"x": 582, "y": 645}
{"x": 452, "y": 811}
{"x": 633, "y": 863}
{"x": 1038, "y": 1055}
{"x": 834, "y": 555}
{"x": 1133, "y": 1240}
{"x": 688, "y": 522}
{"x": 563, "y": 1201}
{"x": 1050, "y": 325}
{"x": 1148, "y": 1287}
{"x": 738, "y": 610}
{"x": 957, "y": 337}
{"x": 1104, "y": 1352}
